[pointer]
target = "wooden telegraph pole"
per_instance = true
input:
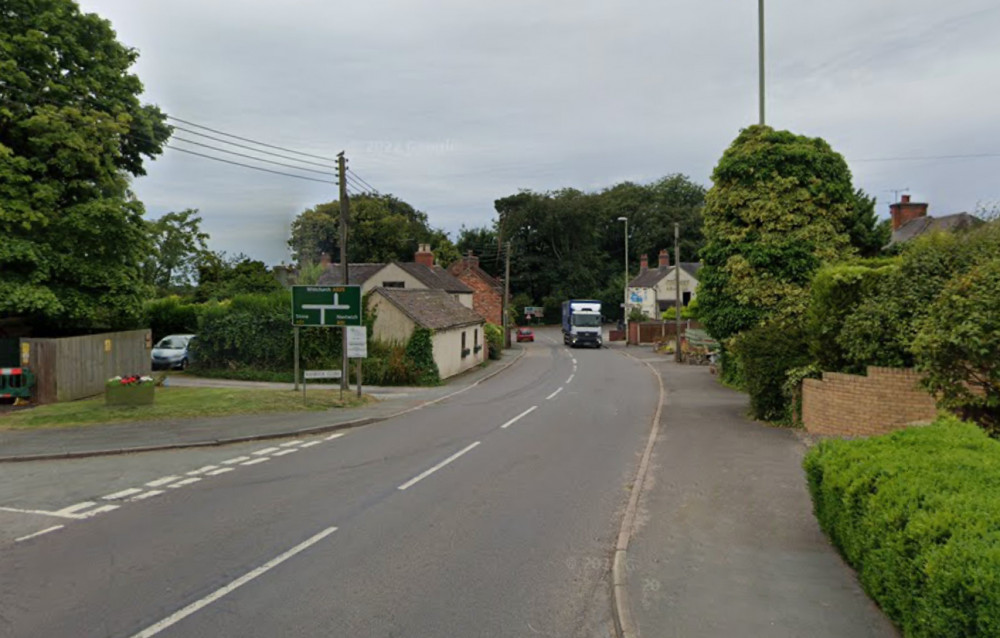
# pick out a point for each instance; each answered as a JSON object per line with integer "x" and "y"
{"x": 342, "y": 178}
{"x": 677, "y": 292}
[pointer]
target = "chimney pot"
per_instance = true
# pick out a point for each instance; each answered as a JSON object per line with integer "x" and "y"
{"x": 424, "y": 255}
{"x": 664, "y": 260}
{"x": 906, "y": 199}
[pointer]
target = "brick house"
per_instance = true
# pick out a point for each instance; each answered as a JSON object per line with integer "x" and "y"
{"x": 487, "y": 293}
{"x": 910, "y": 220}
{"x": 654, "y": 289}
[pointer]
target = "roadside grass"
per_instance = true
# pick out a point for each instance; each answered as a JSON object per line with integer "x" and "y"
{"x": 178, "y": 403}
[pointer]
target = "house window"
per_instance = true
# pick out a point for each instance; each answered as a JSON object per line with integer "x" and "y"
{"x": 687, "y": 298}
{"x": 465, "y": 351}
{"x": 394, "y": 284}
{"x": 475, "y": 341}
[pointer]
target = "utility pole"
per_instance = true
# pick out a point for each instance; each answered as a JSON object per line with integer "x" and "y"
{"x": 760, "y": 50}
{"x": 506, "y": 296}
{"x": 677, "y": 292}
{"x": 342, "y": 178}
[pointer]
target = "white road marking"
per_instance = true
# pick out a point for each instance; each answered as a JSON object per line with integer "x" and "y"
{"x": 574, "y": 360}
{"x": 334, "y": 436}
{"x": 290, "y": 443}
{"x": 99, "y": 510}
{"x": 552, "y": 396}
{"x": 40, "y": 512}
{"x": 425, "y": 474}
{"x": 239, "y": 582}
{"x": 570, "y": 378}
{"x": 44, "y": 531}
{"x": 162, "y": 481}
{"x": 73, "y": 509}
{"x": 266, "y": 450}
{"x": 256, "y": 461}
{"x": 220, "y": 471}
{"x": 145, "y": 495}
{"x": 518, "y": 417}
{"x": 238, "y": 459}
{"x": 311, "y": 443}
{"x": 187, "y": 481}
{"x": 284, "y": 452}
{"x": 202, "y": 470}
{"x": 120, "y": 495}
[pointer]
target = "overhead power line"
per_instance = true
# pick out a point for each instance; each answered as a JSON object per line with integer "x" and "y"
{"x": 251, "y": 148}
{"x": 362, "y": 180}
{"x": 256, "y": 168}
{"x": 256, "y": 159}
{"x": 252, "y": 141}
{"x": 926, "y": 157}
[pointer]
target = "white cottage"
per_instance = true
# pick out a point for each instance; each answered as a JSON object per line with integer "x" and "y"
{"x": 654, "y": 290}
{"x": 458, "y": 340}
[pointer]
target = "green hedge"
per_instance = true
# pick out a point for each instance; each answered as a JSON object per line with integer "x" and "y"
{"x": 766, "y": 354}
{"x": 494, "y": 340}
{"x": 170, "y": 316}
{"x": 917, "y": 513}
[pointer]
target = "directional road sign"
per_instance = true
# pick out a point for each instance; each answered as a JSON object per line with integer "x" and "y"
{"x": 326, "y": 305}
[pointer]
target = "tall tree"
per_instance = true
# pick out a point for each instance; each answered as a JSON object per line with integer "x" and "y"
{"x": 178, "y": 246}
{"x": 779, "y": 207}
{"x": 868, "y": 235}
{"x": 222, "y": 277}
{"x": 72, "y": 132}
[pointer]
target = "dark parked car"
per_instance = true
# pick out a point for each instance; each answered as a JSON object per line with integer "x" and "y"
{"x": 525, "y": 334}
{"x": 172, "y": 352}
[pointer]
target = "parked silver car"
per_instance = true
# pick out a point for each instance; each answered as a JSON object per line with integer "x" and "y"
{"x": 172, "y": 352}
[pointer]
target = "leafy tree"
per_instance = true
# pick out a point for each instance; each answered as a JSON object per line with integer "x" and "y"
{"x": 958, "y": 345}
{"x": 220, "y": 277}
{"x": 484, "y": 243}
{"x": 778, "y": 209}
{"x": 178, "y": 246}
{"x": 868, "y": 235}
{"x": 381, "y": 228}
{"x": 72, "y": 131}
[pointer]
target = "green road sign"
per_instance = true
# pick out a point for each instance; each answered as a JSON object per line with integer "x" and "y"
{"x": 326, "y": 305}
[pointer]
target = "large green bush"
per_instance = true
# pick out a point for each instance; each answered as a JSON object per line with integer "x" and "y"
{"x": 958, "y": 346}
{"x": 917, "y": 513}
{"x": 766, "y": 354}
{"x": 494, "y": 339}
{"x": 420, "y": 353}
{"x": 171, "y": 315}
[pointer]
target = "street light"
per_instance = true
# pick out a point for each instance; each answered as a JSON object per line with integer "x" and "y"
{"x": 625, "y": 296}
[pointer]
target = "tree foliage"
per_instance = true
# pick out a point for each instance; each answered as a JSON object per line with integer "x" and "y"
{"x": 178, "y": 245}
{"x": 779, "y": 207}
{"x": 221, "y": 277}
{"x": 381, "y": 228}
{"x": 72, "y": 131}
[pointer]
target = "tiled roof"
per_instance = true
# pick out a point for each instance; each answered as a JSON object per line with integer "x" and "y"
{"x": 653, "y": 276}
{"x": 920, "y": 225}
{"x": 433, "y": 309}
{"x": 436, "y": 277}
{"x": 461, "y": 266}
{"x": 357, "y": 274}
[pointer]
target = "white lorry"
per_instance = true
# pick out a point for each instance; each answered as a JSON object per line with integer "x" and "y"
{"x": 581, "y": 323}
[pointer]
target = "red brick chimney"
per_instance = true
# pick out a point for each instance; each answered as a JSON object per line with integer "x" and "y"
{"x": 664, "y": 262}
{"x": 906, "y": 210}
{"x": 643, "y": 263}
{"x": 424, "y": 255}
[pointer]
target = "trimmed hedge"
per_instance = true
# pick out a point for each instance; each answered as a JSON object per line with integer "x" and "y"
{"x": 917, "y": 513}
{"x": 765, "y": 355}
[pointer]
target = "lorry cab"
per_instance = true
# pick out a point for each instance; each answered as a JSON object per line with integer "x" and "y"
{"x": 581, "y": 323}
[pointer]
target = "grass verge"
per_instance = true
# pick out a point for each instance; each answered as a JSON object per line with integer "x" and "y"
{"x": 178, "y": 403}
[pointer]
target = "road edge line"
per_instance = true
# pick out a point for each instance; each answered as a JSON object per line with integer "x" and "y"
{"x": 625, "y": 626}
{"x": 320, "y": 429}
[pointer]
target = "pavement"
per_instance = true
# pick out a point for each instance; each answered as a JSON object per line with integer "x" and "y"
{"x": 120, "y": 438}
{"x": 725, "y": 541}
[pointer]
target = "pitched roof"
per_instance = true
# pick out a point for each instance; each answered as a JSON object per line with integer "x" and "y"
{"x": 357, "y": 274}
{"x": 435, "y": 278}
{"x": 653, "y": 276}
{"x": 920, "y": 225}
{"x": 463, "y": 265}
{"x": 433, "y": 309}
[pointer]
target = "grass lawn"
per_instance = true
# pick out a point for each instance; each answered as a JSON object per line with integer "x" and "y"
{"x": 178, "y": 403}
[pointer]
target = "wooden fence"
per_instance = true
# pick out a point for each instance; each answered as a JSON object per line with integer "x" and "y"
{"x": 654, "y": 331}
{"x": 76, "y": 367}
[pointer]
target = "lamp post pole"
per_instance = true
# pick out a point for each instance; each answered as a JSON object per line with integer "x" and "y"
{"x": 625, "y": 292}
{"x": 760, "y": 54}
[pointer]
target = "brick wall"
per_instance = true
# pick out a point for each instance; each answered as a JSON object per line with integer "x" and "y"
{"x": 487, "y": 301}
{"x": 852, "y": 405}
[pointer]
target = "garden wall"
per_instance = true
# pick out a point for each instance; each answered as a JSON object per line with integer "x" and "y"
{"x": 885, "y": 400}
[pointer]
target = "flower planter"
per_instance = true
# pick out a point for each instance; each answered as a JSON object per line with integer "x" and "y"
{"x": 129, "y": 395}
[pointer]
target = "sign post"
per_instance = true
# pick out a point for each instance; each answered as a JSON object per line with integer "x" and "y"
{"x": 325, "y": 307}
{"x": 319, "y": 374}
{"x": 357, "y": 347}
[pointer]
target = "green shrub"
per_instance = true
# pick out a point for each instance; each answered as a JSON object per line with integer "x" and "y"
{"x": 917, "y": 513}
{"x": 420, "y": 354}
{"x": 171, "y": 315}
{"x": 766, "y": 354}
{"x": 494, "y": 339}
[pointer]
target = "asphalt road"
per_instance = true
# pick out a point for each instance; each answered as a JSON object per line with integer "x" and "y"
{"x": 473, "y": 517}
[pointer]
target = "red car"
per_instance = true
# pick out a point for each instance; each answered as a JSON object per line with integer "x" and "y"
{"x": 525, "y": 334}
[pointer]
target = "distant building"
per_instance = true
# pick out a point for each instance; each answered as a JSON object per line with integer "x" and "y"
{"x": 458, "y": 340}
{"x": 487, "y": 293}
{"x": 910, "y": 220}
{"x": 654, "y": 290}
{"x": 420, "y": 274}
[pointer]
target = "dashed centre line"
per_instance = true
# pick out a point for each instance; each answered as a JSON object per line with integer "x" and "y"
{"x": 570, "y": 378}
{"x": 419, "y": 477}
{"x": 284, "y": 452}
{"x": 187, "y": 481}
{"x": 256, "y": 461}
{"x": 36, "y": 534}
{"x": 518, "y": 417}
{"x": 219, "y": 471}
{"x": 122, "y": 494}
{"x": 552, "y": 396}
{"x": 162, "y": 481}
{"x": 238, "y": 459}
{"x": 266, "y": 450}
{"x": 73, "y": 509}
{"x": 145, "y": 495}
{"x": 311, "y": 443}
{"x": 99, "y": 510}
{"x": 202, "y": 470}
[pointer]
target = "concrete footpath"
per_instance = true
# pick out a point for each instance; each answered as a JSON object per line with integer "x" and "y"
{"x": 123, "y": 438}
{"x": 725, "y": 541}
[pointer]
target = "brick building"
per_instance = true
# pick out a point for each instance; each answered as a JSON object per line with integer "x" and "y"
{"x": 487, "y": 293}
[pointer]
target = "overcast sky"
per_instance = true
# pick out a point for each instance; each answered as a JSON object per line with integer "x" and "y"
{"x": 451, "y": 104}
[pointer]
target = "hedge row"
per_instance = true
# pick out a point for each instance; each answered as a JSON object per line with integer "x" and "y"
{"x": 917, "y": 513}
